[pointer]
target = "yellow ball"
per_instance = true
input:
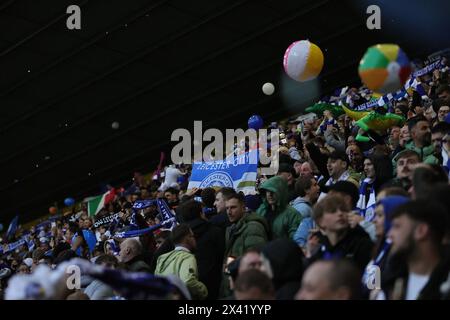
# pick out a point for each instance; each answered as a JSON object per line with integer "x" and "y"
{"x": 303, "y": 61}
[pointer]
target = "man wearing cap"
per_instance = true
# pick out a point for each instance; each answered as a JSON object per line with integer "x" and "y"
{"x": 337, "y": 166}
{"x": 404, "y": 163}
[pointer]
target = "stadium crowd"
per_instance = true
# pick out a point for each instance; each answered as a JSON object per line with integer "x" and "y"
{"x": 342, "y": 219}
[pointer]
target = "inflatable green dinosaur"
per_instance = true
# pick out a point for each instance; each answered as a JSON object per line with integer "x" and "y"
{"x": 319, "y": 108}
{"x": 373, "y": 120}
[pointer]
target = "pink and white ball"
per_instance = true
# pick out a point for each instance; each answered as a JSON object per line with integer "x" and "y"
{"x": 303, "y": 61}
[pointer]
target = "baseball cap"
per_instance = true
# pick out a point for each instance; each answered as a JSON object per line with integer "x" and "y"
{"x": 403, "y": 152}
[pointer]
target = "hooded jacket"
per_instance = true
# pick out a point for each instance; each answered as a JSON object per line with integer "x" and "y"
{"x": 249, "y": 232}
{"x": 287, "y": 264}
{"x": 302, "y": 206}
{"x": 184, "y": 265}
{"x": 284, "y": 220}
{"x": 426, "y": 154}
{"x": 209, "y": 254}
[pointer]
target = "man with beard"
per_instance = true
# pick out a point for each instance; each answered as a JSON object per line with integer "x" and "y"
{"x": 355, "y": 157}
{"x": 418, "y": 228}
{"x": 405, "y": 162}
{"x": 420, "y": 131}
{"x": 438, "y": 133}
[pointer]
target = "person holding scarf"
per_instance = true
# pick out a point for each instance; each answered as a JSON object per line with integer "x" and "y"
{"x": 377, "y": 171}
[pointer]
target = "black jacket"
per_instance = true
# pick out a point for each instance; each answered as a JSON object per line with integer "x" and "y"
{"x": 287, "y": 263}
{"x": 220, "y": 220}
{"x": 356, "y": 246}
{"x": 209, "y": 254}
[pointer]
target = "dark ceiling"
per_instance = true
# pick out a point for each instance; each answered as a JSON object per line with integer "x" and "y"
{"x": 153, "y": 66}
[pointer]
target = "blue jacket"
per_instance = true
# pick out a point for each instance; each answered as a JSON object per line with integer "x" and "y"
{"x": 302, "y": 206}
{"x": 302, "y": 233}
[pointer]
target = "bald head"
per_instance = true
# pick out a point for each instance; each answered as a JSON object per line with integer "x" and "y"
{"x": 129, "y": 249}
{"x": 330, "y": 280}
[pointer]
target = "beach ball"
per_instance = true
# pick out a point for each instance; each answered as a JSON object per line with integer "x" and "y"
{"x": 268, "y": 88}
{"x": 115, "y": 125}
{"x": 384, "y": 68}
{"x": 52, "y": 210}
{"x": 255, "y": 122}
{"x": 303, "y": 61}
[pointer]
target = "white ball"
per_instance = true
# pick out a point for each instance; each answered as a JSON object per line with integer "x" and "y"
{"x": 115, "y": 125}
{"x": 268, "y": 88}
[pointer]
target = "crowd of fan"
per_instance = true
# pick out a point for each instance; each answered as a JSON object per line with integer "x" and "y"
{"x": 341, "y": 220}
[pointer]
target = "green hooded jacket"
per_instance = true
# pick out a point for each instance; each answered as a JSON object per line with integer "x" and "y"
{"x": 286, "y": 219}
{"x": 184, "y": 265}
{"x": 249, "y": 232}
{"x": 426, "y": 154}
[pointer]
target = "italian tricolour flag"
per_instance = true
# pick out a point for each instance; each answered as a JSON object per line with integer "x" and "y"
{"x": 95, "y": 204}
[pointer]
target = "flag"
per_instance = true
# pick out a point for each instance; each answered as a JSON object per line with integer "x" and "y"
{"x": 12, "y": 227}
{"x": 95, "y": 204}
{"x": 237, "y": 172}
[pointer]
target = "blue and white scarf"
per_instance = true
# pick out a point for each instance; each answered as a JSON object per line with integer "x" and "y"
{"x": 331, "y": 182}
{"x": 428, "y": 69}
{"x": 367, "y": 210}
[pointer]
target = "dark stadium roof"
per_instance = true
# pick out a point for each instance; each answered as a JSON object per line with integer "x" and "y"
{"x": 152, "y": 66}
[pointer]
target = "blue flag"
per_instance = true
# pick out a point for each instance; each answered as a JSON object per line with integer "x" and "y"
{"x": 12, "y": 227}
{"x": 237, "y": 172}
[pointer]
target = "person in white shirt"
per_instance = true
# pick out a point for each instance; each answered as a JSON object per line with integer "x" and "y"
{"x": 418, "y": 228}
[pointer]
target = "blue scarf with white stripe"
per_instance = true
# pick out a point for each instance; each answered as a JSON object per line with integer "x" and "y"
{"x": 367, "y": 207}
